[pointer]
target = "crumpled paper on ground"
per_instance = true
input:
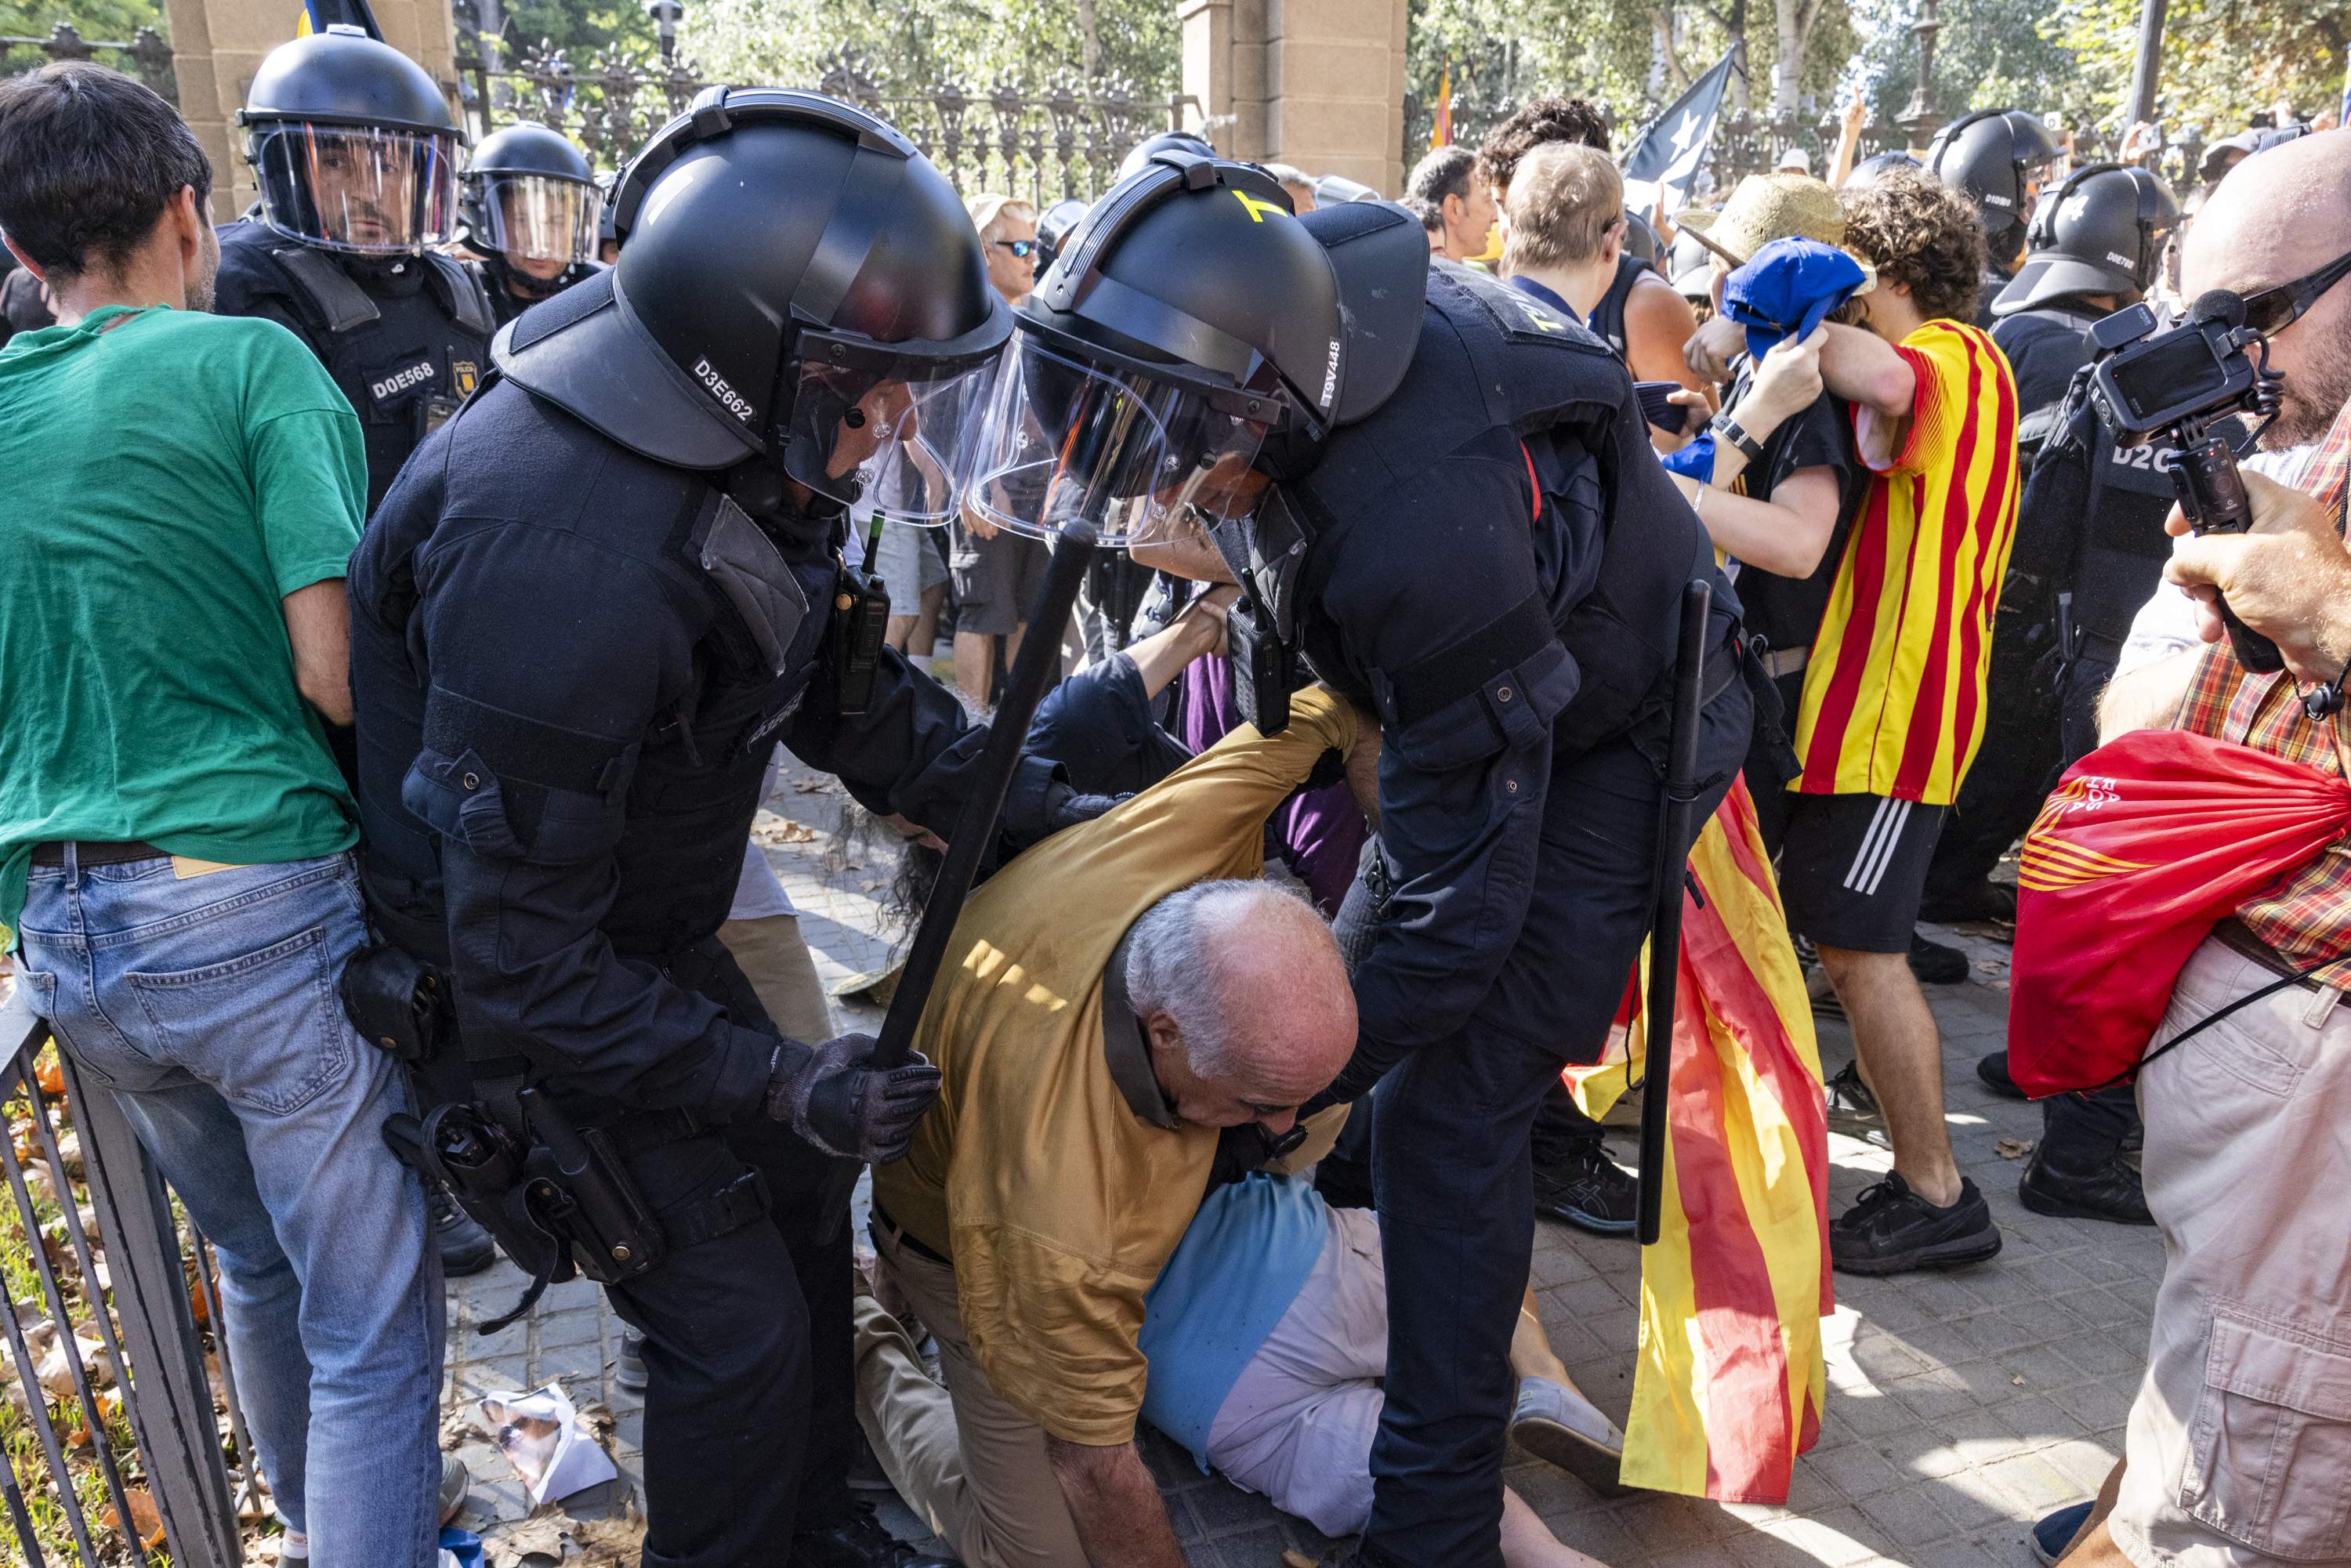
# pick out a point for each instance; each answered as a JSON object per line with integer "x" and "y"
{"x": 542, "y": 1437}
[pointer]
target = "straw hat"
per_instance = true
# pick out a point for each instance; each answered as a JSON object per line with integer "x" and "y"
{"x": 1767, "y": 207}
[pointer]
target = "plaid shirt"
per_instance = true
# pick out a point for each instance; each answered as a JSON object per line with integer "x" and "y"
{"x": 2306, "y": 917}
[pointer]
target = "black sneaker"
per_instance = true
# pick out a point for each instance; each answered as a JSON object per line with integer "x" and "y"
{"x": 2106, "y": 1189}
{"x": 860, "y": 1542}
{"x": 1589, "y": 1191}
{"x": 1935, "y": 963}
{"x": 1993, "y": 1070}
{"x": 1854, "y": 1109}
{"x": 1993, "y": 903}
{"x": 464, "y": 1247}
{"x": 1893, "y": 1230}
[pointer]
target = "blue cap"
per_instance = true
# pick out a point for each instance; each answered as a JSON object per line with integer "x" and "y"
{"x": 1787, "y": 286}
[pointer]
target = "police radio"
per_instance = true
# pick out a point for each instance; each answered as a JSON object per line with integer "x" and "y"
{"x": 861, "y": 622}
{"x": 2181, "y": 384}
{"x": 1264, "y": 667}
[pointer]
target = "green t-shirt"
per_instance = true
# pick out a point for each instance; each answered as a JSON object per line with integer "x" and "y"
{"x": 167, "y": 483}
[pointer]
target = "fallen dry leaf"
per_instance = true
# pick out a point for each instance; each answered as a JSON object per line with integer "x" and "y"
{"x": 144, "y": 1515}
{"x": 2012, "y": 1148}
{"x": 2018, "y": 1380}
{"x": 770, "y": 830}
{"x": 596, "y": 1420}
{"x": 609, "y": 1543}
{"x": 1296, "y": 1560}
{"x": 540, "y": 1535}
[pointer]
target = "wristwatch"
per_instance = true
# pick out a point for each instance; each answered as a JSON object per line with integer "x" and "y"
{"x": 1726, "y": 428}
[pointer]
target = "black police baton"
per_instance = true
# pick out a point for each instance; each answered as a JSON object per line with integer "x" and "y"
{"x": 1033, "y": 669}
{"x": 1674, "y": 836}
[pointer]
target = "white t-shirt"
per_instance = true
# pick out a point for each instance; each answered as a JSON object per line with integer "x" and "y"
{"x": 2165, "y": 624}
{"x": 758, "y": 891}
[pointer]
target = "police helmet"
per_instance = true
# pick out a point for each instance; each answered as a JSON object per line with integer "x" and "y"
{"x": 352, "y": 145}
{"x": 1996, "y": 156}
{"x": 527, "y": 191}
{"x": 1053, "y": 227}
{"x": 1641, "y": 240}
{"x": 1871, "y": 169}
{"x": 1194, "y": 336}
{"x": 2101, "y": 232}
{"x": 1689, "y": 267}
{"x": 1150, "y": 147}
{"x": 798, "y": 287}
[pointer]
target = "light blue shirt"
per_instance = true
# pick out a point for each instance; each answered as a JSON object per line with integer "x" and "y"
{"x": 1241, "y": 1263}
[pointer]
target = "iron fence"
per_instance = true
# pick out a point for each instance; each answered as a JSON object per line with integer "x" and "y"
{"x": 1042, "y": 144}
{"x": 116, "y": 1287}
{"x": 146, "y": 56}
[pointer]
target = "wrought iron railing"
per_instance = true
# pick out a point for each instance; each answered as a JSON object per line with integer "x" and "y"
{"x": 1042, "y": 144}
{"x": 146, "y": 56}
{"x": 116, "y": 1288}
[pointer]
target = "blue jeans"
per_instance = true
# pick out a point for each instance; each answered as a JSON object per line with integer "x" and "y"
{"x": 208, "y": 1006}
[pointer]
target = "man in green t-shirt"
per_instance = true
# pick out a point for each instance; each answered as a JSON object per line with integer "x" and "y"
{"x": 184, "y": 493}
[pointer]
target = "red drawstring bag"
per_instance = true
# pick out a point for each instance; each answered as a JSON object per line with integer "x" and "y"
{"x": 2146, "y": 843}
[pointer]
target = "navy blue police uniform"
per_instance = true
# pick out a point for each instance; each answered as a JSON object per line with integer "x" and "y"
{"x": 571, "y": 666}
{"x": 1493, "y": 562}
{"x": 406, "y": 338}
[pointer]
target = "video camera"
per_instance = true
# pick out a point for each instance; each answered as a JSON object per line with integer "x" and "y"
{"x": 2181, "y": 382}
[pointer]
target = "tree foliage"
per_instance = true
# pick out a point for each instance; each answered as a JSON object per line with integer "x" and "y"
{"x": 974, "y": 42}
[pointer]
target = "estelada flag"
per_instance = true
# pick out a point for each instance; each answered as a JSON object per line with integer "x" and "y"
{"x": 1731, "y": 1375}
{"x": 1441, "y": 133}
{"x": 2146, "y": 843}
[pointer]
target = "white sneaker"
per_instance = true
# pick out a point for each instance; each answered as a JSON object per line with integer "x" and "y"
{"x": 1560, "y": 1426}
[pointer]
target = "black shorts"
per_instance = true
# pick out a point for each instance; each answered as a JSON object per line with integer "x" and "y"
{"x": 1853, "y": 867}
{"x": 997, "y": 579}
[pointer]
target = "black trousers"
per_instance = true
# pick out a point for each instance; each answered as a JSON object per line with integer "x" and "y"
{"x": 751, "y": 1391}
{"x": 1452, "y": 1150}
{"x": 2015, "y": 767}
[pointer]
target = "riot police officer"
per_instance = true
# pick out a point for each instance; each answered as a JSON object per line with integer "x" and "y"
{"x": 581, "y": 623}
{"x": 356, "y": 156}
{"x": 2095, "y": 245}
{"x": 1999, "y": 157}
{"x": 2090, "y": 548}
{"x": 529, "y": 205}
{"x": 1443, "y": 496}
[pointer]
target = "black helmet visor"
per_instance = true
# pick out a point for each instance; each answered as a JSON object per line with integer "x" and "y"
{"x": 362, "y": 190}
{"x": 540, "y": 217}
{"x": 1128, "y": 453}
{"x": 892, "y": 422}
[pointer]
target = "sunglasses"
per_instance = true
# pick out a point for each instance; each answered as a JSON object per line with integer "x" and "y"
{"x": 2272, "y": 310}
{"x": 1023, "y": 248}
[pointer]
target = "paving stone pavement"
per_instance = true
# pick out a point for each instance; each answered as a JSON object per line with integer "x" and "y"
{"x": 1961, "y": 1406}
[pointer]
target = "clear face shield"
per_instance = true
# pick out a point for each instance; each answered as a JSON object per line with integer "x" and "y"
{"x": 359, "y": 190}
{"x": 890, "y": 428}
{"x": 1143, "y": 461}
{"x": 536, "y": 218}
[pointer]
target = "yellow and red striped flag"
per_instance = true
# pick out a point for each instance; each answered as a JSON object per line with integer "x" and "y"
{"x": 1441, "y": 134}
{"x": 1730, "y": 1379}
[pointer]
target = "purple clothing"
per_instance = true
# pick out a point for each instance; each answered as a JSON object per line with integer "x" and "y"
{"x": 1320, "y": 833}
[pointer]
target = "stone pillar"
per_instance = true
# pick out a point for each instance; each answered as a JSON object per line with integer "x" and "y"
{"x": 1317, "y": 83}
{"x": 217, "y": 45}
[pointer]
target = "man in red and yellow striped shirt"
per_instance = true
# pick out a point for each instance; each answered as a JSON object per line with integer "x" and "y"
{"x": 1893, "y": 705}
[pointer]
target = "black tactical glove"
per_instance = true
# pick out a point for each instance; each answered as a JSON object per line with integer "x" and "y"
{"x": 1244, "y": 1148}
{"x": 828, "y": 1096}
{"x": 1066, "y": 808}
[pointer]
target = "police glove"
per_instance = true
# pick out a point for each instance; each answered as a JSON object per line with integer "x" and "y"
{"x": 830, "y": 1095}
{"x": 1065, "y": 807}
{"x": 1251, "y": 1146}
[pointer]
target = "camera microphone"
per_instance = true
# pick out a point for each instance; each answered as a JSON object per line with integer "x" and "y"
{"x": 2221, "y": 305}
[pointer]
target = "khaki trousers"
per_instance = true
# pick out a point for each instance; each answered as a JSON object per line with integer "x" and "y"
{"x": 972, "y": 1465}
{"x": 2239, "y": 1443}
{"x": 775, "y": 959}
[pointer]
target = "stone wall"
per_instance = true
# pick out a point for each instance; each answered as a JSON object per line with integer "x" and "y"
{"x": 1317, "y": 83}
{"x": 217, "y": 45}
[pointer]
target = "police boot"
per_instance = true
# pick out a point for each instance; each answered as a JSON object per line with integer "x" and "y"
{"x": 2078, "y": 1170}
{"x": 464, "y": 1247}
{"x": 859, "y": 1542}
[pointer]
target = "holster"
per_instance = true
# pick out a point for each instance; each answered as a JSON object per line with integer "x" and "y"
{"x": 558, "y": 1199}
